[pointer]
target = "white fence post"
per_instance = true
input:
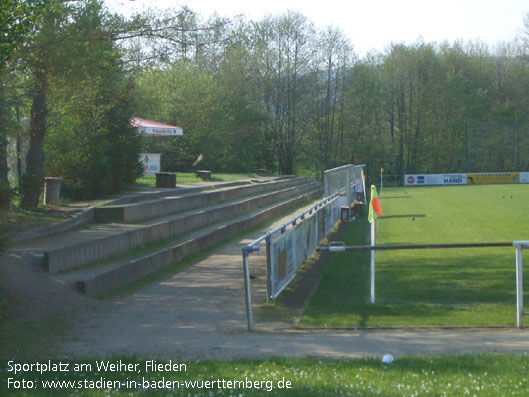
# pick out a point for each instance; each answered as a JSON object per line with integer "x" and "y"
{"x": 519, "y": 245}
{"x": 519, "y": 288}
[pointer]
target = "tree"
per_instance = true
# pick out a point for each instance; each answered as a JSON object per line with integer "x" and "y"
{"x": 39, "y": 57}
{"x": 79, "y": 87}
{"x": 89, "y": 142}
{"x": 250, "y": 139}
{"x": 278, "y": 93}
{"x": 333, "y": 56}
{"x": 184, "y": 95}
{"x": 17, "y": 22}
{"x": 282, "y": 47}
{"x": 18, "y": 19}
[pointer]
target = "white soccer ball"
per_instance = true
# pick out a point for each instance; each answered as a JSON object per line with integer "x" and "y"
{"x": 387, "y": 359}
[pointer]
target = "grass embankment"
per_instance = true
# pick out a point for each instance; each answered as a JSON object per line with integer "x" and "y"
{"x": 191, "y": 177}
{"x": 483, "y": 375}
{"x": 451, "y": 287}
{"x": 18, "y": 220}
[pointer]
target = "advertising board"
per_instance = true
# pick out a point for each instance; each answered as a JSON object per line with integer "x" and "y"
{"x": 493, "y": 178}
{"x": 150, "y": 162}
{"x": 434, "y": 179}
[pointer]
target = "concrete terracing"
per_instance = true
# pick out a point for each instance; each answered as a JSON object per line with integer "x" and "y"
{"x": 100, "y": 258}
{"x": 134, "y": 212}
{"x": 106, "y": 277}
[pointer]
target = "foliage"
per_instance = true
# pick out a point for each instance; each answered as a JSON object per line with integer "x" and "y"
{"x": 89, "y": 142}
{"x": 17, "y": 21}
{"x": 276, "y": 93}
{"x": 304, "y": 101}
{"x": 213, "y": 123}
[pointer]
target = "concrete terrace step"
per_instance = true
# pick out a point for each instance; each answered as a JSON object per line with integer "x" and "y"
{"x": 150, "y": 209}
{"x": 85, "y": 231}
{"x": 87, "y": 212}
{"x": 70, "y": 257}
{"x": 103, "y": 278}
{"x": 156, "y": 193}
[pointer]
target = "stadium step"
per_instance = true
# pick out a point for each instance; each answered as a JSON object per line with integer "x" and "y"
{"x": 103, "y": 241}
{"x": 183, "y": 201}
{"x": 105, "y": 277}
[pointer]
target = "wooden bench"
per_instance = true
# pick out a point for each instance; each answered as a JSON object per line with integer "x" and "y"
{"x": 204, "y": 175}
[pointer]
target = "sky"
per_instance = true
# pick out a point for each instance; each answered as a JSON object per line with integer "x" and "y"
{"x": 374, "y": 24}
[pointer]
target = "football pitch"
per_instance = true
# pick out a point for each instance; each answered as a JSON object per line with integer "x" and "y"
{"x": 433, "y": 287}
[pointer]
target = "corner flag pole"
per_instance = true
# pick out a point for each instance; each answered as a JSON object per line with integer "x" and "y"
{"x": 374, "y": 212}
{"x": 364, "y": 186}
{"x": 373, "y": 263}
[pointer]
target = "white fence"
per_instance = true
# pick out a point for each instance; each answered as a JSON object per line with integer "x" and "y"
{"x": 337, "y": 180}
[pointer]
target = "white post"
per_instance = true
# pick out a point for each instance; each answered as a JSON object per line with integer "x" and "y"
{"x": 247, "y": 291}
{"x": 381, "y": 181}
{"x": 365, "y": 194}
{"x": 519, "y": 245}
{"x": 519, "y": 287}
{"x": 348, "y": 189}
{"x": 373, "y": 263}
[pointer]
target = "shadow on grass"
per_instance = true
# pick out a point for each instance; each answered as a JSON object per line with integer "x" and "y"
{"x": 405, "y": 216}
{"x": 452, "y": 280}
{"x": 394, "y": 197}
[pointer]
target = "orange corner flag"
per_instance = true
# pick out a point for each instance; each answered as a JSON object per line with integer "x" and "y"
{"x": 375, "y": 210}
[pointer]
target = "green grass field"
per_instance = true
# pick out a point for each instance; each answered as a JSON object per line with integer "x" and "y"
{"x": 455, "y": 287}
{"x": 483, "y": 375}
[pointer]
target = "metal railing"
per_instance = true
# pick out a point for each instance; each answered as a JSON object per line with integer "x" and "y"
{"x": 519, "y": 245}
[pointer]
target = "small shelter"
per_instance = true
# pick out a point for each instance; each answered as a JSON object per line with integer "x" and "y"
{"x": 154, "y": 128}
{"x": 152, "y": 161}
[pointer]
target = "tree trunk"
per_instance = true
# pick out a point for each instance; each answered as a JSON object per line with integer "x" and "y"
{"x": 4, "y": 182}
{"x": 33, "y": 181}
